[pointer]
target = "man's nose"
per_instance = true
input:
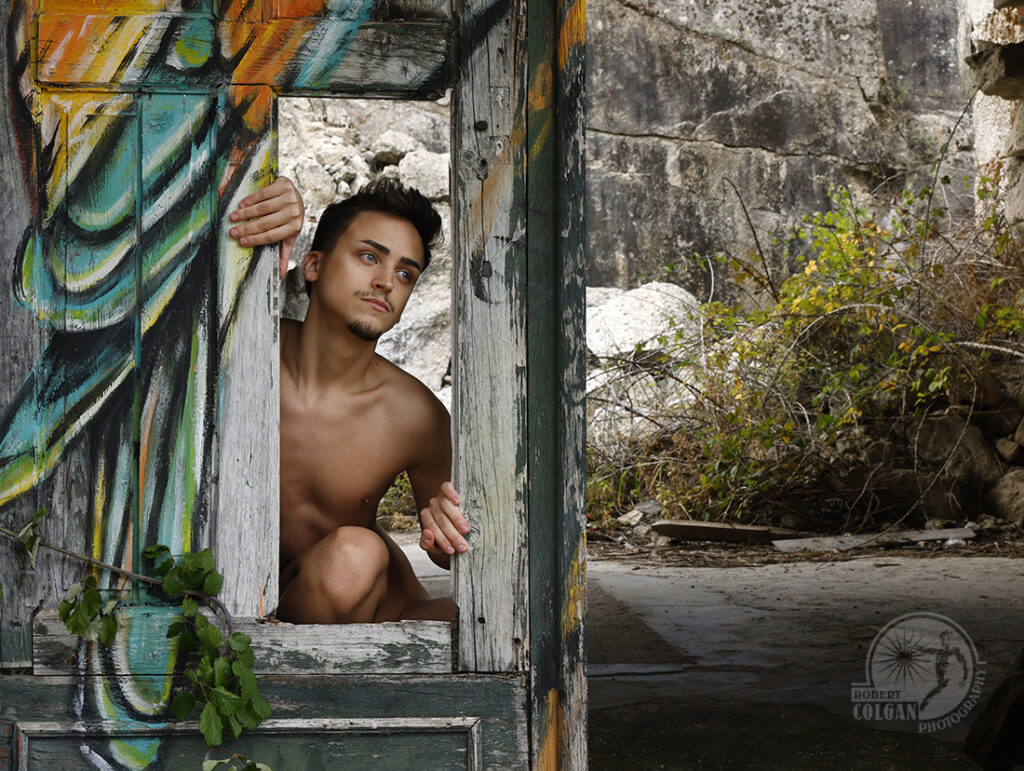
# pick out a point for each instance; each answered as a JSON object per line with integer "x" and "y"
{"x": 383, "y": 282}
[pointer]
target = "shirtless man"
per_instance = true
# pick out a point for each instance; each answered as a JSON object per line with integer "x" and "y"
{"x": 351, "y": 421}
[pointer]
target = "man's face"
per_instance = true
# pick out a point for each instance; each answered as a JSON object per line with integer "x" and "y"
{"x": 367, "y": 277}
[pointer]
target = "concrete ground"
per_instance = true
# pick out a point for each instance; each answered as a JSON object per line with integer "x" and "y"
{"x": 752, "y": 667}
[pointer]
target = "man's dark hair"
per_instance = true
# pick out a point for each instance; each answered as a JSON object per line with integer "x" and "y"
{"x": 383, "y": 195}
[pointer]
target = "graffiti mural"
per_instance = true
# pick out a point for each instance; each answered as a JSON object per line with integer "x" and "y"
{"x": 140, "y": 125}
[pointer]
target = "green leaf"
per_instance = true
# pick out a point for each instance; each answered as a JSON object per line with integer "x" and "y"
{"x": 222, "y": 671}
{"x": 32, "y": 547}
{"x": 247, "y": 715}
{"x": 210, "y": 726}
{"x": 239, "y": 641}
{"x": 64, "y": 611}
{"x": 227, "y": 703}
{"x": 108, "y": 629}
{"x": 247, "y": 657}
{"x": 235, "y": 726}
{"x": 210, "y": 635}
{"x": 172, "y": 583}
{"x": 213, "y": 583}
{"x": 175, "y": 628}
{"x": 72, "y": 593}
{"x": 246, "y": 680}
{"x": 187, "y": 642}
{"x": 92, "y": 632}
{"x": 205, "y": 670}
{"x": 155, "y": 550}
{"x": 204, "y": 560}
{"x": 259, "y": 704}
{"x": 189, "y": 606}
{"x": 183, "y": 704}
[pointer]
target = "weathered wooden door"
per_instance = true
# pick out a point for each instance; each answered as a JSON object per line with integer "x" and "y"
{"x": 140, "y": 386}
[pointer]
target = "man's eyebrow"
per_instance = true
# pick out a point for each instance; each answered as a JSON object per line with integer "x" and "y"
{"x": 384, "y": 250}
{"x": 375, "y": 245}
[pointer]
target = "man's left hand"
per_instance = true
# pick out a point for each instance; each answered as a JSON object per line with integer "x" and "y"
{"x": 444, "y": 526}
{"x": 274, "y": 213}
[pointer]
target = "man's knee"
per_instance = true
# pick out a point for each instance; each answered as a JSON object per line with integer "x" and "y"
{"x": 355, "y": 562}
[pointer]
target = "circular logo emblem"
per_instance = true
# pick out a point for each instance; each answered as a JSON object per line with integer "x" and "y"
{"x": 927, "y": 659}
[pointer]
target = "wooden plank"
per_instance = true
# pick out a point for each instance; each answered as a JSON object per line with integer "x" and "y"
{"x": 693, "y": 530}
{"x": 435, "y": 743}
{"x": 847, "y": 542}
{"x": 408, "y": 59}
{"x": 354, "y": 55}
{"x": 74, "y": 399}
{"x": 245, "y": 526}
{"x": 486, "y": 711}
{"x": 489, "y": 336}
{"x": 175, "y": 326}
{"x": 25, "y": 340}
{"x": 404, "y": 647}
{"x": 556, "y": 374}
{"x": 126, "y": 50}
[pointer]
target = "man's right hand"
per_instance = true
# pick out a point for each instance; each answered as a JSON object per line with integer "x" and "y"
{"x": 444, "y": 526}
{"x": 275, "y": 213}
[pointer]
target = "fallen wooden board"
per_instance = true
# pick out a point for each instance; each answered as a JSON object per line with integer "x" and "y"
{"x": 847, "y": 542}
{"x": 692, "y": 530}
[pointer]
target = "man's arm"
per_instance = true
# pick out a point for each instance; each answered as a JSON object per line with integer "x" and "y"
{"x": 443, "y": 525}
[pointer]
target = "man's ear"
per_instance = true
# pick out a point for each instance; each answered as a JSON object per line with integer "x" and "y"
{"x": 311, "y": 266}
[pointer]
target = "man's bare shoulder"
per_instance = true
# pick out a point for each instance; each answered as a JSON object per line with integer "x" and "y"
{"x": 410, "y": 397}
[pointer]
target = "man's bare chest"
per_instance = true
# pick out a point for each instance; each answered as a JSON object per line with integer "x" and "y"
{"x": 338, "y": 462}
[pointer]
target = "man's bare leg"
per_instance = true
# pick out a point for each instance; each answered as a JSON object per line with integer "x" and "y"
{"x": 409, "y": 601}
{"x": 356, "y": 575}
{"x": 342, "y": 579}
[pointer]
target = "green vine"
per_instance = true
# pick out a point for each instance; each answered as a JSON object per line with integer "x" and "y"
{"x": 221, "y": 683}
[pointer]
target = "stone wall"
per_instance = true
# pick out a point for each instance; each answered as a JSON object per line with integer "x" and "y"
{"x": 992, "y": 43}
{"x": 698, "y": 109}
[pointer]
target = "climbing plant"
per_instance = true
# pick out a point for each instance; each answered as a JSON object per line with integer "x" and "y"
{"x": 221, "y": 684}
{"x": 891, "y": 310}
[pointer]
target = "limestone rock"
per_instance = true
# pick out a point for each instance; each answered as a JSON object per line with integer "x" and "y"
{"x": 344, "y": 162}
{"x": 392, "y": 146}
{"x": 427, "y": 172}
{"x": 317, "y": 185}
{"x": 621, "y": 320}
{"x": 970, "y": 458}
{"x": 1007, "y": 497}
{"x": 1009, "y": 450}
{"x": 900, "y": 491}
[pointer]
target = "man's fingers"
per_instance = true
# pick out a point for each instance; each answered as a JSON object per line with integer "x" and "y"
{"x": 453, "y": 495}
{"x": 428, "y": 522}
{"x": 447, "y": 526}
{"x": 279, "y": 233}
{"x": 454, "y": 515}
{"x": 280, "y": 186}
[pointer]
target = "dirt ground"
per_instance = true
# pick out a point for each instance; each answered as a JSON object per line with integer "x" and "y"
{"x": 729, "y": 656}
